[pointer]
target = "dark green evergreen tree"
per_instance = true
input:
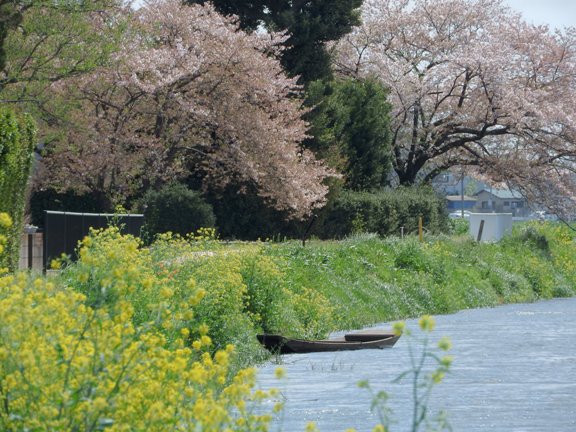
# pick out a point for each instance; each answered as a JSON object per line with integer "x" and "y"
{"x": 310, "y": 23}
{"x": 350, "y": 126}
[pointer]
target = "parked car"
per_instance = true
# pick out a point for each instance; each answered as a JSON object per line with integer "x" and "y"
{"x": 542, "y": 215}
{"x": 458, "y": 214}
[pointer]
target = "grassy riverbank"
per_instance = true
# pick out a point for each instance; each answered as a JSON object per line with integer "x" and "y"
{"x": 310, "y": 291}
{"x": 96, "y": 342}
{"x": 247, "y": 288}
{"x": 370, "y": 280}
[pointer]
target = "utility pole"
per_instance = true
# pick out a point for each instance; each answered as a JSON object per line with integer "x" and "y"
{"x": 462, "y": 192}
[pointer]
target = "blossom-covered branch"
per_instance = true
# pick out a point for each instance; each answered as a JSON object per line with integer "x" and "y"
{"x": 190, "y": 91}
{"x": 472, "y": 84}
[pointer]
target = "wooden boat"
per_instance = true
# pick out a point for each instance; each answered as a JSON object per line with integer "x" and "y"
{"x": 368, "y": 339}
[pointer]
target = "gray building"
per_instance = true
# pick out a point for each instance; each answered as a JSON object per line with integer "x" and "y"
{"x": 501, "y": 201}
{"x": 459, "y": 202}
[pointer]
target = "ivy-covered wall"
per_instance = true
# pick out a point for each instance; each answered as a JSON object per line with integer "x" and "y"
{"x": 17, "y": 141}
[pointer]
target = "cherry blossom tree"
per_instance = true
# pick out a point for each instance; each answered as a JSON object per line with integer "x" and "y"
{"x": 309, "y": 24}
{"x": 189, "y": 91}
{"x": 44, "y": 41}
{"x": 475, "y": 86}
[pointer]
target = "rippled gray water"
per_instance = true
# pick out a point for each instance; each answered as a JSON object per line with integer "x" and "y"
{"x": 514, "y": 370}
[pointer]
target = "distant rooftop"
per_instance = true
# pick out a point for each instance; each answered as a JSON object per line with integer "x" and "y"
{"x": 503, "y": 193}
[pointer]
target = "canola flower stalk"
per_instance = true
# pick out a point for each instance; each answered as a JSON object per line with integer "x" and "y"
{"x": 109, "y": 348}
{"x": 421, "y": 379}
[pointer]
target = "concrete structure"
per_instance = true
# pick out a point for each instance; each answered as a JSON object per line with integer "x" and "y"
{"x": 496, "y": 225}
{"x": 32, "y": 251}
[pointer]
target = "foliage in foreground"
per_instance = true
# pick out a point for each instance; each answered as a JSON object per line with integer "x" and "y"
{"x": 422, "y": 376}
{"x": 105, "y": 346}
{"x": 67, "y": 366}
{"x": 92, "y": 347}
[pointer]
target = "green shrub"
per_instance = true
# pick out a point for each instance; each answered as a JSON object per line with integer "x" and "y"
{"x": 409, "y": 255}
{"x": 459, "y": 226}
{"x": 176, "y": 209}
{"x": 267, "y": 301}
{"x": 384, "y": 212}
{"x": 243, "y": 215}
{"x": 534, "y": 238}
{"x": 5, "y": 224}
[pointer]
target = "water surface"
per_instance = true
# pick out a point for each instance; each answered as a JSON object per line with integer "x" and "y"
{"x": 514, "y": 370}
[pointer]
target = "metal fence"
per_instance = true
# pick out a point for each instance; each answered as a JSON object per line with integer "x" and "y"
{"x": 63, "y": 230}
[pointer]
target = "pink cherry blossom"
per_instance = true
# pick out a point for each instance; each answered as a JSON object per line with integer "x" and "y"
{"x": 472, "y": 84}
{"x": 190, "y": 91}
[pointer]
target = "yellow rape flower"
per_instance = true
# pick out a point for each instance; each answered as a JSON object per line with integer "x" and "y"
{"x": 139, "y": 375}
{"x": 221, "y": 358}
{"x": 5, "y": 220}
{"x": 427, "y": 323}
{"x": 437, "y": 376}
{"x": 399, "y": 327}
{"x": 100, "y": 403}
{"x": 445, "y": 344}
{"x": 311, "y": 427}
{"x": 446, "y": 361}
{"x": 166, "y": 292}
{"x": 200, "y": 294}
{"x": 203, "y": 329}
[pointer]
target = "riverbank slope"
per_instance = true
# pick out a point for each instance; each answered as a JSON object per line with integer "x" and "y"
{"x": 148, "y": 336}
{"x": 368, "y": 280}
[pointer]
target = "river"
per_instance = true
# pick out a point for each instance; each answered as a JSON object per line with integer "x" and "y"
{"x": 514, "y": 370}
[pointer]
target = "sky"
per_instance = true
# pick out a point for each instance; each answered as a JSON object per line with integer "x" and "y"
{"x": 555, "y": 13}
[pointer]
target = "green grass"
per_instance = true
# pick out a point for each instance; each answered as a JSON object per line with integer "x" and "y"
{"x": 323, "y": 287}
{"x": 179, "y": 302}
{"x": 370, "y": 280}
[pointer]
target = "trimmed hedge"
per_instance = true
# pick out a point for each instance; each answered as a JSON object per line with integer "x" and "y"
{"x": 384, "y": 212}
